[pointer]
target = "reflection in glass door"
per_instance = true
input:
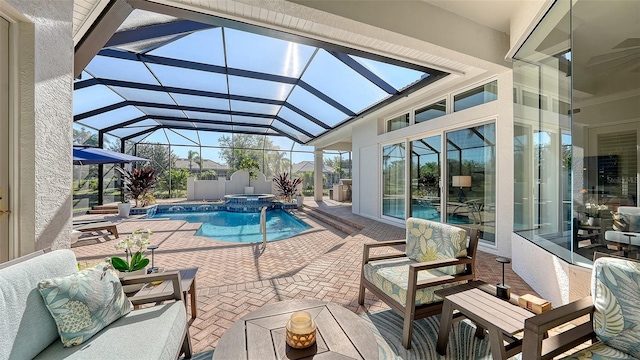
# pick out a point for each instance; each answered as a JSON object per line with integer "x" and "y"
{"x": 393, "y": 180}
{"x": 471, "y": 160}
{"x": 425, "y": 178}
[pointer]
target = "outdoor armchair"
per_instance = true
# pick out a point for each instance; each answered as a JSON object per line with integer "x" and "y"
{"x": 436, "y": 256}
{"x": 614, "y": 310}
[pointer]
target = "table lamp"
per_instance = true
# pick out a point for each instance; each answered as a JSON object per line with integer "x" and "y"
{"x": 153, "y": 268}
{"x": 503, "y": 291}
{"x": 461, "y": 181}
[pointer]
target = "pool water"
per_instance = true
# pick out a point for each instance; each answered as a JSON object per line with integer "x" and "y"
{"x": 241, "y": 227}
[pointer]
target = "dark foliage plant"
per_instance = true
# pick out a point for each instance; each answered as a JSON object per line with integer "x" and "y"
{"x": 285, "y": 185}
{"x": 138, "y": 182}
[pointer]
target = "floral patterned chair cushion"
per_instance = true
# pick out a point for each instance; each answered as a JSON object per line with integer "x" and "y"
{"x": 85, "y": 302}
{"x": 599, "y": 351}
{"x": 392, "y": 277}
{"x": 615, "y": 290}
{"x": 429, "y": 240}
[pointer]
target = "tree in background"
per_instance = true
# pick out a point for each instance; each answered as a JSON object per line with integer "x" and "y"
{"x": 85, "y": 137}
{"x": 193, "y": 156}
{"x": 237, "y": 147}
{"x": 160, "y": 157}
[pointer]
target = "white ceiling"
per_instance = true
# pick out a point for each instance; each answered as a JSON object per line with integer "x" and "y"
{"x": 491, "y": 13}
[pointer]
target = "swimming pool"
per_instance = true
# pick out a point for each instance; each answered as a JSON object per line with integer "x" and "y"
{"x": 240, "y": 227}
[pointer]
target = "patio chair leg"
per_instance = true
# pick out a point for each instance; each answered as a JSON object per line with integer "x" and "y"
{"x": 361, "y": 294}
{"x": 186, "y": 345}
{"x": 407, "y": 329}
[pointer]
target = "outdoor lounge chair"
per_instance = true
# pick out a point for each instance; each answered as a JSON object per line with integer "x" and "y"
{"x": 103, "y": 225}
{"x": 437, "y": 256}
{"x": 614, "y": 311}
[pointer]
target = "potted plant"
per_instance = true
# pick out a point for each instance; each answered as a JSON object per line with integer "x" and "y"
{"x": 251, "y": 166}
{"x": 592, "y": 212}
{"x": 286, "y": 186}
{"x": 124, "y": 207}
{"x": 135, "y": 263}
{"x": 137, "y": 182}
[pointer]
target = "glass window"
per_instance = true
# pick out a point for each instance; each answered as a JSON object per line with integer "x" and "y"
{"x": 190, "y": 79}
{"x": 398, "y": 122}
{"x": 120, "y": 69}
{"x": 153, "y": 111}
{"x": 127, "y": 131}
{"x": 431, "y": 111}
{"x": 262, "y": 89}
{"x": 202, "y": 46}
{"x": 93, "y": 97}
{"x": 207, "y": 116}
{"x": 396, "y": 76}
{"x": 425, "y": 178}
{"x": 276, "y": 56}
{"x": 254, "y": 107}
{"x": 336, "y": 80}
{"x": 112, "y": 117}
{"x": 480, "y": 95}
{"x": 301, "y": 121}
{"x": 151, "y": 96}
{"x": 393, "y": 184}
{"x": 205, "y": 102}
{"x": 251, "y": 120}
{"x": 471, "y": 163}
{"x": 312, "y": 105}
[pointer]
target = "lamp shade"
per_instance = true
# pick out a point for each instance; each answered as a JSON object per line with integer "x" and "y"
{"x": 461, "y": 181}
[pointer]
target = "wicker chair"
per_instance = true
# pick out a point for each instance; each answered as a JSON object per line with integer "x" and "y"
{"x": 437, "y": 256}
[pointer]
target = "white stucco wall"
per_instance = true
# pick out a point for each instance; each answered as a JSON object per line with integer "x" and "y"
{"x": 554, "y": 279}
{"x": 43, "y": 118}
{"x": 367, "y": 144}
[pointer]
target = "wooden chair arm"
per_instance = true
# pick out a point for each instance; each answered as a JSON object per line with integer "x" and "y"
{"x": 415, "y": 268}
{"x": 384, "y": 243}
{"x": 536, "y": 345}
{"x": 365, "y": 253}
{"x": 440, "y": 263}
{"x": 173, "y": 276}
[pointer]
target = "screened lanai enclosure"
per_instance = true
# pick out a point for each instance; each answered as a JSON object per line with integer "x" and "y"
{"x": 197, "y": 94}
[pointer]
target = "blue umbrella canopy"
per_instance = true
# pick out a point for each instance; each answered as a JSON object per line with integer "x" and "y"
{"x": 83, "y": 155}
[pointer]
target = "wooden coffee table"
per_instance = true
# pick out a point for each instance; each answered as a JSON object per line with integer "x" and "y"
{"x": 187, "y": 283}
{"x": 502, "y": 319}
{"x": 341, "y": 334}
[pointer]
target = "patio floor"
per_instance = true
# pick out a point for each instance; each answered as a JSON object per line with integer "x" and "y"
{"x": 234, "y": 279}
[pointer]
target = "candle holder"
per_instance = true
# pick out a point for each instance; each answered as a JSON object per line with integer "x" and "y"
{"x": 301, "y": 330}
{"x": 503, "y": 291}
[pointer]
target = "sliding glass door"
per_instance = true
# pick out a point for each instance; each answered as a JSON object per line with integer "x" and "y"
{"x": 425, "y": 178}
{"x": 471, "y": 169}
{"x": 393, "y": 180}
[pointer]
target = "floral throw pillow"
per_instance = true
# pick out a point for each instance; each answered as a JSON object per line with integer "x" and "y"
{"x": 85, "y": 302}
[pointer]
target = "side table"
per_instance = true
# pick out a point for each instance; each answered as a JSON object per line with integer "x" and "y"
{"x": 499, "y": 317}
{"x": 187, "y": 283}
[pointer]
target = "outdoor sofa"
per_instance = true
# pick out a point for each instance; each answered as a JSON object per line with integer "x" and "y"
{"x": 29, "y": 331}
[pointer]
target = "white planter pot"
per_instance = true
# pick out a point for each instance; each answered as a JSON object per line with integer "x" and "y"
{"x": 299, "y": 200}
{"x": 248, "y": 189}
{"x": 124, "y": 209}
{"x": 593, "y": 221}
{"x": 134, "y": 287}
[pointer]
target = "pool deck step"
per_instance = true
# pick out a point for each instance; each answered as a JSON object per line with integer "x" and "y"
{"x": 339, "y": 224}
{"x": 350, "y": 223}
{"x": 103, "y": 209}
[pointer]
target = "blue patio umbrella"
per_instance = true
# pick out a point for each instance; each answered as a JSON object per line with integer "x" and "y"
{"x": 83, "y": 155}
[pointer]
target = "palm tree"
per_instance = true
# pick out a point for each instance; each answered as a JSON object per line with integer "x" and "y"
{"x": 192, "y": 156}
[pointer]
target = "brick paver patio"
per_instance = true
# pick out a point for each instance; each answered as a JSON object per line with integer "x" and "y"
{"x": 234, "y": 279}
